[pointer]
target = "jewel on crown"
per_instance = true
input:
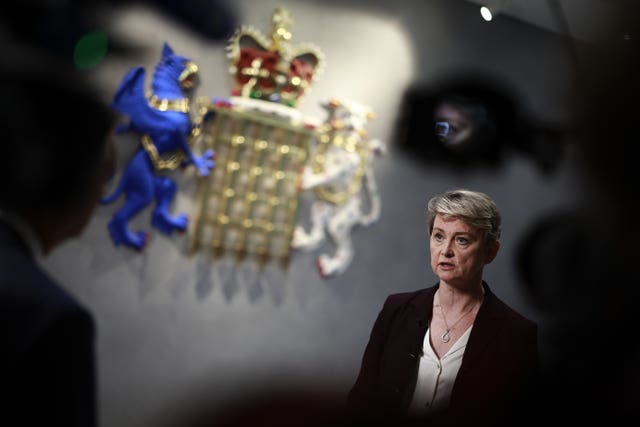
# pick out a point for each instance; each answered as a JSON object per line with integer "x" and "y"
{"x": 272, "y": 69}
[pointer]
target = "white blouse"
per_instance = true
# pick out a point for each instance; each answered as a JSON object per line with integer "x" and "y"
{"x": 436, "y": 376}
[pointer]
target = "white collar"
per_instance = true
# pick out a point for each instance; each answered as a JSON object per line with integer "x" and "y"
{"x": 25, "y": 231}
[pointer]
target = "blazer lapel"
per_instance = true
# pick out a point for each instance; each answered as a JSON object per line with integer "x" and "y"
{"x": 485, "y": 328}
{"x": 422, "y": 308}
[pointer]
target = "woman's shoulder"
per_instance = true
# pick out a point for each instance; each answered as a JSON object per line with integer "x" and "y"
{"x": 516, "y": 318}
{"x": 416, "y": 297}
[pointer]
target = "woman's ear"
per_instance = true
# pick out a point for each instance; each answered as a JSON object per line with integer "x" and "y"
{"x": 492, "y": 251}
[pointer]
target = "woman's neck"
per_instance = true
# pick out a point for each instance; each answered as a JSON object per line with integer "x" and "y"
{"x": 459, "y": 299}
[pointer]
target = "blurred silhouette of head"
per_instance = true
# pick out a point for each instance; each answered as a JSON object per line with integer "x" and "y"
{"x": 579, "y": 266}
{"x": 57, "y": 26}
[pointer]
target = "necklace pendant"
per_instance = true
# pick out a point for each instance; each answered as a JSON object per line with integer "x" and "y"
{"x": 445, "y": 337}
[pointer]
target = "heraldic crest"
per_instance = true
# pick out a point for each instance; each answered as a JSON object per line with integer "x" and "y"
{"x": 268, "y": 152}
{"x": 267, "y": 156}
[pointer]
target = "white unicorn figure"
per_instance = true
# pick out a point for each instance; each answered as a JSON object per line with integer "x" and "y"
{"x": 339, "y": 173}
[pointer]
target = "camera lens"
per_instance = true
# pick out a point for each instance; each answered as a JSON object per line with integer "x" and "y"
{"x": 442, "y": 129}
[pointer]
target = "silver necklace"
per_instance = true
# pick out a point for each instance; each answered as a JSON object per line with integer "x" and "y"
{"x": 446, "y": 336}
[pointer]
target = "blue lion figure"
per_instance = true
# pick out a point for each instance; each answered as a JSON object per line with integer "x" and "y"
{"x": 163, "y": 120}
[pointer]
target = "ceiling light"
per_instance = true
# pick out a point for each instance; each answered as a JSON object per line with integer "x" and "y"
{"x": 486, "y": 13}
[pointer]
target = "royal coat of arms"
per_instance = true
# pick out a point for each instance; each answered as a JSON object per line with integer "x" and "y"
{"x": 268, "y": 152}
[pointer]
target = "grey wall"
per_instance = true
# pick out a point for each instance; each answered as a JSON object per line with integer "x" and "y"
{"x": 174, "y": 334}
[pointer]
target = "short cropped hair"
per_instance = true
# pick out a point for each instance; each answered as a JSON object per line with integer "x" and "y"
{"x": 473, "y": 207}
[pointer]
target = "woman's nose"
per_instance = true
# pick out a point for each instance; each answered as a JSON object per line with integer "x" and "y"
{"x": 448, "y": 250}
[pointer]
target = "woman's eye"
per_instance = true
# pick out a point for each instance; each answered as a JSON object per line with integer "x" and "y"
{"x": 462, "y": 240}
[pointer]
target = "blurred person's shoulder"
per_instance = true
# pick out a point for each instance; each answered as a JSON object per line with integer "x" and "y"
{"x": 30, "y": 299}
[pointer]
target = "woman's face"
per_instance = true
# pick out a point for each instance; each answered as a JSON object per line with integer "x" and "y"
{"x": 458, "y": 251}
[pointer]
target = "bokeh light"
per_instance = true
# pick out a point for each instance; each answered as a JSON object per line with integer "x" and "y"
{"x": 90, "y": 50}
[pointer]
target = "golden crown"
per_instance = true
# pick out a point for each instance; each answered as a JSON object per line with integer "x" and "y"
{"x": 272, "y": 69}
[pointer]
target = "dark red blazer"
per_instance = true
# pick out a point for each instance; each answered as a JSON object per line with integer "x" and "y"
{"x": 499, "y": 365}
